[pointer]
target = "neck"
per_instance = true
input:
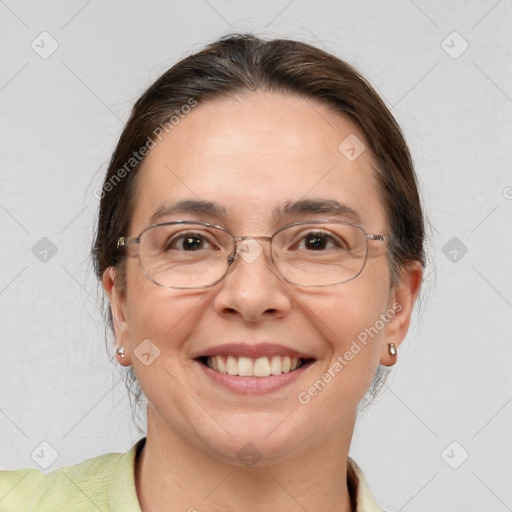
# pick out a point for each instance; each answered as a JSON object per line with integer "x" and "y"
{"x": 172, "y": 475}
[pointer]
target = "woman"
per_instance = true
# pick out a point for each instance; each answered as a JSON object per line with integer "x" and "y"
{"x": 260, "y": 240}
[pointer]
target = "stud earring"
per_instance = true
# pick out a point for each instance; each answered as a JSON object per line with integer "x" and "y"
{"x": 121, "y": 351}
{"x": 392, "y": 349}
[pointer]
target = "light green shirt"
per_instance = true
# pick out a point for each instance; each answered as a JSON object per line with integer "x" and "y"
{"x": 102, "y": 484}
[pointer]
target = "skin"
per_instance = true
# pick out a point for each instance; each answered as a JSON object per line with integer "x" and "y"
{"x": 251, "y": 154}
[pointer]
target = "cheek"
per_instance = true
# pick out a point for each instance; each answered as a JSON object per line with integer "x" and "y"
{"x": 351, "y": 310}
{"x": 353, "y": 322}
{"x": 164, "y": 315}
{"x": 350, "y": 325}
{"x": 160, "y": 322}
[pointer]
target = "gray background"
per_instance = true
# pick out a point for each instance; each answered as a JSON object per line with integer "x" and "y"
{"x": 61, "y": 117}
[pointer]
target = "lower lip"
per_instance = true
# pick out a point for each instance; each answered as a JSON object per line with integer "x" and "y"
{"x": 254, "y": 385}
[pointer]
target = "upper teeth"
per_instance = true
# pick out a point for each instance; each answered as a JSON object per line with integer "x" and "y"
{"x": 249, "y": 367}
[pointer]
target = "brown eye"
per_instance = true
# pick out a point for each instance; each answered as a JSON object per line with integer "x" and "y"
{"x": 188, "y": 242}
{"x": 191, "y": 243}
{"x": 316, "y": 242}
{"x": 320, "y": 241}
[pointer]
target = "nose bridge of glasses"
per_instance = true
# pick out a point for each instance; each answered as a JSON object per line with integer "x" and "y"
{"x": 248, "y": 248}
{"x": 251, "y": 237}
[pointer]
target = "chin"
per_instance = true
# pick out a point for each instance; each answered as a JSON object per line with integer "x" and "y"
{"x": 257, "y": 441}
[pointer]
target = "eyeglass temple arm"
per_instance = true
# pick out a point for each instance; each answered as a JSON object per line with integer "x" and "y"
{"x": 379, "y": 238}
{"x": 125, "y": 241}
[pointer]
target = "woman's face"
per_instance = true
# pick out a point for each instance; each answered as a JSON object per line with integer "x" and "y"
{"x": 251, "y": 157}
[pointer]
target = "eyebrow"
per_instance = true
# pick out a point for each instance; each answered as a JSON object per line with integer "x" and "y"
{"x": 327, "y": 207}
{"x": 189, "y": 206}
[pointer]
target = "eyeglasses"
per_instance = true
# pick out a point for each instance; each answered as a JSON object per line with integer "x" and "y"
{"x": 186, "y": 254}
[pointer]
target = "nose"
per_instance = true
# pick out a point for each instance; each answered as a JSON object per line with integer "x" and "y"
{"x": 252, "y": 289}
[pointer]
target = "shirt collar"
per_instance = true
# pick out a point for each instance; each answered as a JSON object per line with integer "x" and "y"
{"x": 365, "y": 499}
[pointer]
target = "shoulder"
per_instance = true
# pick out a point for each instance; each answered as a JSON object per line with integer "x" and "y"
{"x": 95, "y": 484}
{"x": 30, "y": 489}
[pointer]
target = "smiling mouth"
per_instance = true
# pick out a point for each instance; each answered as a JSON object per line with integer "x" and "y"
{"x": 253, "y": 367}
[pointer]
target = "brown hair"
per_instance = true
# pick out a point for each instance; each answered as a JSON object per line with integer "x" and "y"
{"x": 243, "y": 63}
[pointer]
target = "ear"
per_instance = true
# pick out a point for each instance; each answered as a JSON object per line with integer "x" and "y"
{"x": 118, "y": 309}
{"x": 401, "y": 304}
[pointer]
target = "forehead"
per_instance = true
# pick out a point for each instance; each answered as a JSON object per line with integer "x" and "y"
{"x": 253, "y": 154}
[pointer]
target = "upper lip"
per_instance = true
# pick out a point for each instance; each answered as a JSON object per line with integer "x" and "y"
{"x": 252, "y": 350}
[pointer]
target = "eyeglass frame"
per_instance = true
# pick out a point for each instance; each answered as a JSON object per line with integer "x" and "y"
{"x": 135, "y": 240}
